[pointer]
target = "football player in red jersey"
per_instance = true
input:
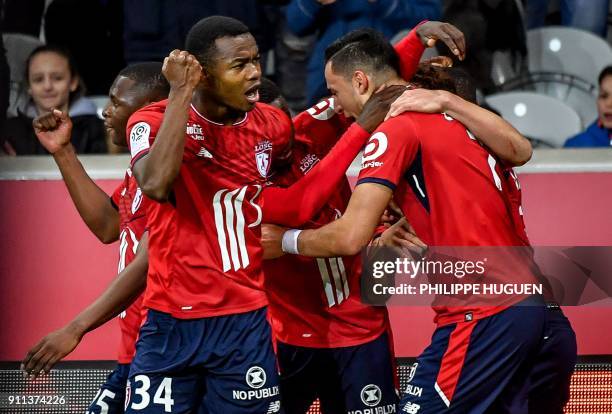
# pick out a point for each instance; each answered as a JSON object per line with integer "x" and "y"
{"x": 481, "y": 359}
{"x": 204, "y": 155}
{"x": 330, "y": 345}
{"x": 122, "y": 216}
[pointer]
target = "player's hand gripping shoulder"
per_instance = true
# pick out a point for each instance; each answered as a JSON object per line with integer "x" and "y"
{"x": 430, "y": 32}
{"x": 182, "y": 70}
{"x": 53, "y": 130}
{"x": 377, "y": 107}
{"x": 49, "y": 350}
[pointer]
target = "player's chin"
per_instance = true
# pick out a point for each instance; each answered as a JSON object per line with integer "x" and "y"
{"x": 246, "y": 105}
{"x": 115, "y": 138}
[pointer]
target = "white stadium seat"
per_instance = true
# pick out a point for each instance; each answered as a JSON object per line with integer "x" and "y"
{"x": 568, "y": 51}
{"x": 18, "y": 47}
{"x": 539, "y": 117}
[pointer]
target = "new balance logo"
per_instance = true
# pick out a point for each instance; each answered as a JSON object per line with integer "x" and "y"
{"x": 274, "y": 407}
{"x": 230, "y": 225}
{"x": 204, "y": 153}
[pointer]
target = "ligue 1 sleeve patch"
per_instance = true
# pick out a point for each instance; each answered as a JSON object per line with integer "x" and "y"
{"x": 139, "y": 138}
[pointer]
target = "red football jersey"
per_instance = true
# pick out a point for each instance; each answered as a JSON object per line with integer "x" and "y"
{"x": 451, "y": 190}
{"x": 204, "y": 243}
{"x": 132, "y": 206}
{"x": 316, "y": 302}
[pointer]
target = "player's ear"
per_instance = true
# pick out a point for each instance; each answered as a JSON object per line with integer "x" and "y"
{"x": 360, "y": 82}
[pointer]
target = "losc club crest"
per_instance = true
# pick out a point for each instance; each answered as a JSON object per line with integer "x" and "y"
{"x": 412, "y": 371}
{"x": 263, "y": 155}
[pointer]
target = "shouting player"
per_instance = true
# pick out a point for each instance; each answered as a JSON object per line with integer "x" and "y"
{"x": 204, "y": 155}
{"x": 481, "y": 359}
{"x": 122, "y": 216}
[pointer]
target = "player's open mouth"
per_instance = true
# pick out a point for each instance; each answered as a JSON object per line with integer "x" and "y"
{"x": 252, "y": 94}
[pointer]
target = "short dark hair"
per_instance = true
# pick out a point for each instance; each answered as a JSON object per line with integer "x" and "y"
{"x": 268, "y": 91}
{"x": 607, "y": 71}
{"x": 432, "y": 77}
{"x": 365, "y": 48}
{"x": 148, "y": 76}
{"x": 201, "y": 38}
{"x": 72, "y": 66}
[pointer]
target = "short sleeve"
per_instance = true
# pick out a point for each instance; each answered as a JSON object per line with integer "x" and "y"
{"x": 389, "y": 151}
{"x": 320, "y": 126}
{"x": 141, "y": 130}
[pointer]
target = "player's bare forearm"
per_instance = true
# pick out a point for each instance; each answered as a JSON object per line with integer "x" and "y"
{"x": 494, "y": 132}
{"x": 116, "y": 298}
{"x": 157, "y": 171}
{"x": 351, "y": 232}
{"x": 119, "y": 295}
{"x": 92, "y": 203}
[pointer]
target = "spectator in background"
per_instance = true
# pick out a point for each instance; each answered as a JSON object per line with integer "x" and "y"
{"x": 53, "y": 83}
{"x": 590, "y": 15}
{"x": 334, "y": 18}
{"x": 598, "y": 133}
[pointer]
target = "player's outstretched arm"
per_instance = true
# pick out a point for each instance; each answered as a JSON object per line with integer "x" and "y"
{"x": 343, "y": 237}
{"x": 493, "y": 131}
{"x": 295, "y": 205}
{"x": 426, "y": 34}
{"x": 54, "y": 130}
{"x": 120, "y": 294}
{"x": 156, "y": 171}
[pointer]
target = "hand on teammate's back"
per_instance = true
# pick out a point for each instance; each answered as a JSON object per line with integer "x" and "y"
{"x": 182, "y": 70}
{"x": 53, "y": 130}
{"x": 376, "y": 108}
{"x": 49, "y": 351}
{"x": 430, "y": 32}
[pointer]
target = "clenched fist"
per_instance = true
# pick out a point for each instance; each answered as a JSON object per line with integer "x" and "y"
{"x": 182, "y": 70}
{"x": 53, "y": 130}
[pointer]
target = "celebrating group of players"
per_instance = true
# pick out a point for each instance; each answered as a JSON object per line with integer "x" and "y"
{"x": 239, "y": 226}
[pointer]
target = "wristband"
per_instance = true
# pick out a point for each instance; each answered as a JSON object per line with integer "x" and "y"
{"x": 290, "y": 241}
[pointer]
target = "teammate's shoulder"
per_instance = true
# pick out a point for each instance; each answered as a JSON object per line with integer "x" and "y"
{"x": 400, "y": 124}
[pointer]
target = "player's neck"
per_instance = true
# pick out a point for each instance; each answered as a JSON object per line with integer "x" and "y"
{"x": 396, "y": 80}
{"x": 214, "y": 112}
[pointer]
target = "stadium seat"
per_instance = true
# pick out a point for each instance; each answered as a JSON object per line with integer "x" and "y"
{"x": 575, "y": 92}
{"x": 566, "y": 50}
{"x": 546, "y": 120}
{"x": 100, "y": 101}
{"x": 18, "y": 47}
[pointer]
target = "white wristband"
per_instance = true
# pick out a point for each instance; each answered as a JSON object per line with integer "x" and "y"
{"x": 290, "y": 241}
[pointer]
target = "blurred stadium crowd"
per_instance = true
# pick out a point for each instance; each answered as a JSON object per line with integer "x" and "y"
{"x": 542, "y": 64}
